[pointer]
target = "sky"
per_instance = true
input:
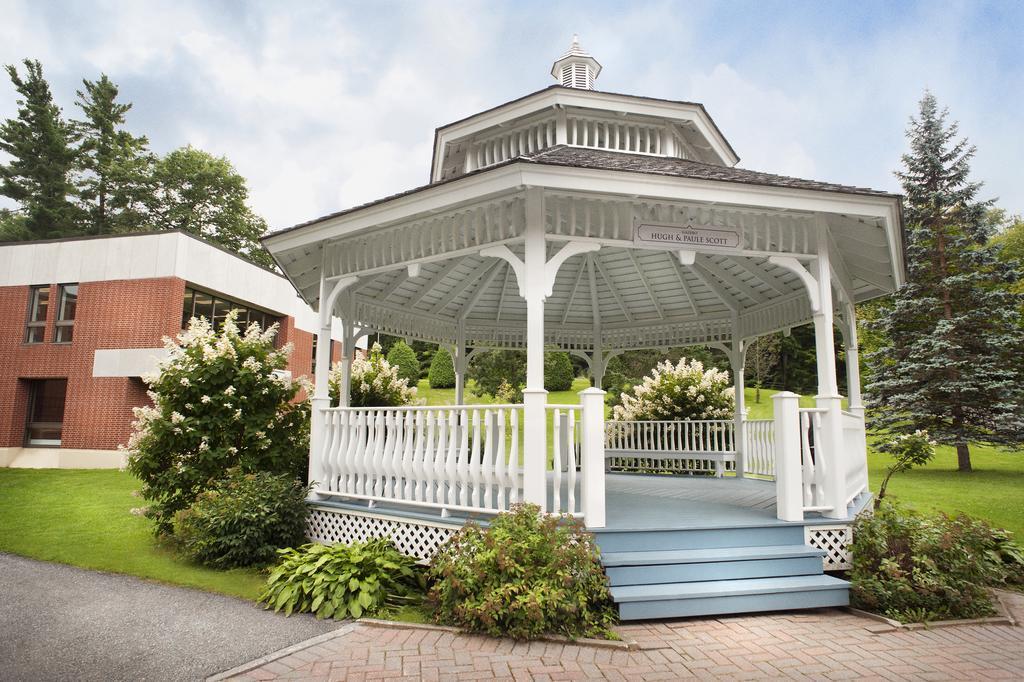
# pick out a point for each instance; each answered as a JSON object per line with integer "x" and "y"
{"x": 326, "y": 105}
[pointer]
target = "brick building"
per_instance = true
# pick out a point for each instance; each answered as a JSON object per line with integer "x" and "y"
{"x": 82, "y": 319}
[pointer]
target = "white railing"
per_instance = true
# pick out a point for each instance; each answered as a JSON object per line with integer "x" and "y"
{"x": 697, "y": 446}
{"x": 460, "y": 458}
{"x": 602, "y": 134}
{"x": 855, "y": 452}
{"x": 565, "y": 458}
{"x": 510, "y": 144}
{"x": 759, "y": 448}
{"x": 813, "y": 459}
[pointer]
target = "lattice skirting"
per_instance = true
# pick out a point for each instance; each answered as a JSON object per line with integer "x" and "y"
{"x": 835, "y": 541}
{"x": 420, "y": 539}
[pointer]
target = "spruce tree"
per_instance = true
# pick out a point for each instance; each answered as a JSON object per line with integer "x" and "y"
{"x": 40, "y": 172}
{"x": 951, "y": 346}
{"x": 116, "y": 163}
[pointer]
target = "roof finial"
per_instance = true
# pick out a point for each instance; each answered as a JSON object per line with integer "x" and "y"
{"x": 576, "y": 68}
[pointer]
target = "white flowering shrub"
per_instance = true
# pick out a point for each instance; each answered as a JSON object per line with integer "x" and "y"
{"x": 375, "y": 382}
{"x": 683, "y": 391}
{"x": 219, "y": 401}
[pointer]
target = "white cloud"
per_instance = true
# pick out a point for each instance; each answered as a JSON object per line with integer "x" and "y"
{"x": 323, "y": 106}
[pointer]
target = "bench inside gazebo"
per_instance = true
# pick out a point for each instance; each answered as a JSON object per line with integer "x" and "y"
{"x": 599, "y": 223}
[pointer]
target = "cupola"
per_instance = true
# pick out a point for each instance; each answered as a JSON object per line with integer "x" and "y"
{"x": 576, "y": 68}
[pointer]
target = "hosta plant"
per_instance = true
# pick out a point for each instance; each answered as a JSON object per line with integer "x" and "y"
{"x": 528, "y": 574}
{"x": 342, "y": 581}
{"x": 220, "y": 401}
{"x": 375, "y": 382}
{"x": 680, "y": 391}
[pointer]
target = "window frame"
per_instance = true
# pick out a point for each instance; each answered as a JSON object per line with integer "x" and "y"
{"x": 33, "y": 396}
{"x": 32, "y": 324}
{"x": 247, "y": 312}
{"x": 61, "y": 323}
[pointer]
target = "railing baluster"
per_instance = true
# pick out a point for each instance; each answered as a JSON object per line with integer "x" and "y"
{"x": 571, "y": 460}
{"x": 515, "y": 494}
{"x": 557, "y": 462}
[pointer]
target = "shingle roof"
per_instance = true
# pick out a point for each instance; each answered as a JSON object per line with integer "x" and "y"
{"x": 599, "y": 159}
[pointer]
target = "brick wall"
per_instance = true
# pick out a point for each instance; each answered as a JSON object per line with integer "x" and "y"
{"x": 110, "y": 314}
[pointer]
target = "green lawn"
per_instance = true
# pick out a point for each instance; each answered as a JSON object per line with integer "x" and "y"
{"x": 83, "y": 518}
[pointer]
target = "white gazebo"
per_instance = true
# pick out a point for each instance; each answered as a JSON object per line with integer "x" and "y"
{"x": 595, "y": 223}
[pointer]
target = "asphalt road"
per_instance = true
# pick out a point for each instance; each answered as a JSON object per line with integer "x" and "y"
{"x": 64, "y": 623}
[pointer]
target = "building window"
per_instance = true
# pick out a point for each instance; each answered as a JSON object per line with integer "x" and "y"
{"x": 65, "y": 324}
{"x": 215, "y": 309}
{"x": 38, "y": 302}
{"x": 45, "y": 411}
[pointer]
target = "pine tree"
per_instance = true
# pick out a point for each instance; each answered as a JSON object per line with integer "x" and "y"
{"x": 116, "y": 163}
{"x": 40, "y": 172}
{"x": 950, "y": 356}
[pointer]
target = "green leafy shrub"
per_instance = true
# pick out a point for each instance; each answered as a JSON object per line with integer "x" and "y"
{"x": 243, "y": 520}
{"x": 499, "y": 373}
{"x": 375, "y": 382}
{"x": 912, "y": 567}
{"x": 558, "y": 372}
{"x": 907, "y": 450}
{"x": 442, "y": 370}
{"x": 404, "y": 358}
{"x": 678, "y": 392}
{"x": 526, "y": 575}
{"x": 341, "y": 581}
{"x": 220, "y": 401}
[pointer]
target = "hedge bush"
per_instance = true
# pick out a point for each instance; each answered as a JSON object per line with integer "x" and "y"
{"x": 558, "y": 372}
{"x": 526, "y": 575}
{"x": 243, "y": 520}
{"x": 500, "y": 374}
{"x": 912, "y": 567}
{"x": 341, "y": 581}
{"x": 220, "y": 401}
{"x": 442, "y": 369}
{"x": 404, "y": 358}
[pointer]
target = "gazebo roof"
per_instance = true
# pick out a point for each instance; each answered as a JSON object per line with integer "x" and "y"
{"x": 593, "y": 167}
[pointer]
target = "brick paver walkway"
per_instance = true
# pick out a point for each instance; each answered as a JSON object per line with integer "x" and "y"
{"x": 828, "y": 644}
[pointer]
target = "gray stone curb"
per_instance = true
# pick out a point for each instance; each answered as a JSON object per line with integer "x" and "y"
{"x": 281, "y": 653}
{"x": 558, "y": 639}
{"x": 888, "y": 624}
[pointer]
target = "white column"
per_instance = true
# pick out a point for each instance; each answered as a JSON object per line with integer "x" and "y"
{"x": 321, "y": 395}
{"x": 736, "y": 359}
{"x": 853, "y": 361}
{"x": 347, "y": 351}
{"x": 592, "y": 459}
{"x": 597, "y": 367}
{"x": 789, "y": 496}
{"x": 459, "y": 362}
{"x": 321, "y": 400}
{"x": 828, "y": 398}
{"x": 535, "y": 450}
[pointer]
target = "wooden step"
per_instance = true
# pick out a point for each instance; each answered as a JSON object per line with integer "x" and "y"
{"x": 717, "y": 597}
{"x": 698, "y": 565}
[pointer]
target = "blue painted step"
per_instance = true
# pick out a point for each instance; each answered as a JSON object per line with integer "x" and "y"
{"x": 615, "y": 540}
{"x": 696, "y": 565}
{"x": 717, "y": 597}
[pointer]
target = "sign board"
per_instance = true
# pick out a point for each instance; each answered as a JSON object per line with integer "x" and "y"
{"x": 691, "y": 237}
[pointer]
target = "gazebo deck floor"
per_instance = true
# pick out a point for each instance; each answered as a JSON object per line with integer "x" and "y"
{"x": 649, "y": 502}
